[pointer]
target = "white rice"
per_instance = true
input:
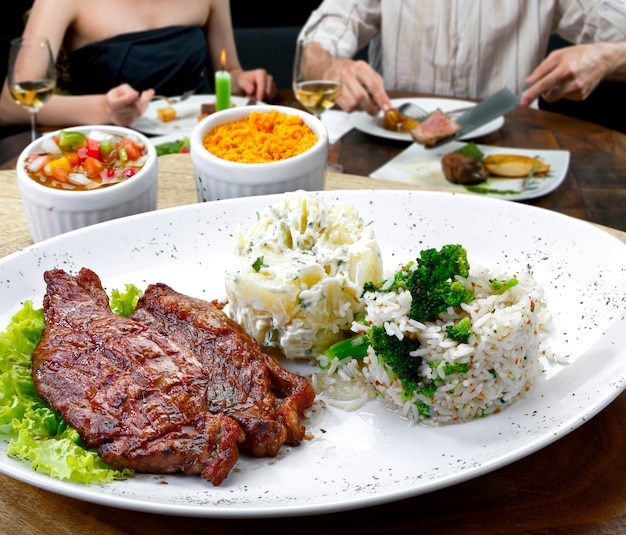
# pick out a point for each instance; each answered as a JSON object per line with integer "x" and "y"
{"x": 502, "y": 356}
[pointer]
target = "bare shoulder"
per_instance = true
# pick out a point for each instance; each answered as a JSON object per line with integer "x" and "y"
{"x": 51, "y": 18}
{"x": 68, "y": 8}
{"x": 101, "y": 19}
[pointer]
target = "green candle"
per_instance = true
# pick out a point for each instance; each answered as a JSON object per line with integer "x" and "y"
{"x": 222, "y": 90}
{"x": 222, "y": 86}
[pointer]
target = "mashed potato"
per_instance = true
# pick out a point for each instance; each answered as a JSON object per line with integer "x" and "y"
{"x": 299, "y": 272}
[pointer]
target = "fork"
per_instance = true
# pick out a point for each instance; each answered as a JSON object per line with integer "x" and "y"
{"x": 171, "y": 101}
{"x": 412, "y": 110}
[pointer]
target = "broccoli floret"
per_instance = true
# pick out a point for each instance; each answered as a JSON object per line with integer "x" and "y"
{"x": 388, "y": 348}
{"x": 431, "y": 281}
{"x": 450, "y": 368}
{"x": 427, "y": 391}
{"x": 499, "y": 287}
{"x": 400, "y": 279}
{"x": 460, "y": 332}
{"x": 395, "y": 353}
{"x": 432, "y": 284}
{"x": 370, "y": 287}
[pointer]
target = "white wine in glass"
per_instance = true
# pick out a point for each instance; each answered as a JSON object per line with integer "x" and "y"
{"x": 31, "y": 75}
{"x": 317, "y": 76}
{"x": 317, "y": 79}
{"x": 318, "y": 96}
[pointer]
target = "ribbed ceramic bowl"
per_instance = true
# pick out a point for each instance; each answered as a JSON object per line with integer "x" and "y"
{"x": 217, "y": 178}
{"x": 51, "y": 211}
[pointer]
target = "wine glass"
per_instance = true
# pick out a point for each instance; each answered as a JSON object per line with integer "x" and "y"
{"x": 317, "y": 78}
{"x": 31, "y": 75}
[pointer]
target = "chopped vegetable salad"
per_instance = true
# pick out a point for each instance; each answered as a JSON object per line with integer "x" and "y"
{"x": 73, "y": 160}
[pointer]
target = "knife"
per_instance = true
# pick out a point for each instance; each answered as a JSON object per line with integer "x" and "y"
{"x": 485, "y": 111}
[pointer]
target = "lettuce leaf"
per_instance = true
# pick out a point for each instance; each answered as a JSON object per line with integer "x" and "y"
{"x": 173, "y": 147}
{"x": 37, "y": 434}
{"x": 124, "y": 303}
{"x": 52, "y": 447}
{"x": 16, "y": 347}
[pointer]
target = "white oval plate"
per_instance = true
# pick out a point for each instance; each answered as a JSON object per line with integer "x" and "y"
{"x": 370, "y": 456}
{"x": 374, "y": 125}
{"x": 187, "y": 113}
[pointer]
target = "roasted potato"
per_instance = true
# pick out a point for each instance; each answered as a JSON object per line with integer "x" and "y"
{"x": 408, "y": 124}
{"x": 394, "y": 120}
{"x": 514, "y": 166}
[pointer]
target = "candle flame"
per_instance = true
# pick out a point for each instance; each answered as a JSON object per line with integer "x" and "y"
{"x": 223, "y": 59}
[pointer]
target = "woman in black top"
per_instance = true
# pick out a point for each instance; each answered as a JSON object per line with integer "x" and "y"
{"x": 119, "y": 54}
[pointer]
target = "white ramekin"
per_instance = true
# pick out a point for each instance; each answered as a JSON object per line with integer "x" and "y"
{"x": 50, "y": 211}
{"x": 217, "y": 178}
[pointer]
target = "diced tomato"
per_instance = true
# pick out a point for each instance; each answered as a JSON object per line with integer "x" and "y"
{"x": 93, "y": 148}
{"x": 81, "y": 152}
{"x": 62, "y": 174}
{"x": 132, "y": 149}
{"x": 93, "y": 167}
{"x": 184, "y": 149}
{"x": 131, "y": 171}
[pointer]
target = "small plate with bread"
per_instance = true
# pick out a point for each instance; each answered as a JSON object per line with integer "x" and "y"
{"x": 162, "y": 118}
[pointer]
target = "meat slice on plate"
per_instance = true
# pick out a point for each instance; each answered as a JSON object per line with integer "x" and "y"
{"x": 135, "y": 393}
{"x": 459, "y": 168}
{"x": 128, "y": 390}
{"x": 243, "y": 382}
{"x": 435, "y": 127}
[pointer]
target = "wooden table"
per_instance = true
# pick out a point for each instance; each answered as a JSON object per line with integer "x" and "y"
{"x": 574, "y": 486}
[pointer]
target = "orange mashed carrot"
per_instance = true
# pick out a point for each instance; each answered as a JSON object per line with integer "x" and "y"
{"x": 260, "y": 138}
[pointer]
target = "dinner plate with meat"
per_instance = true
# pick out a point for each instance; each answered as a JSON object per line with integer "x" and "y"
{"x": 183, "y": 115}
{"x": 293, "y": 458}
{"x": 375, "y": 125}
{"x": 433, "y": 168}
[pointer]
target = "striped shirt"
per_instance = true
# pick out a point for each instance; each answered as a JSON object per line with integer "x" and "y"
{"x": 461, "y": 48}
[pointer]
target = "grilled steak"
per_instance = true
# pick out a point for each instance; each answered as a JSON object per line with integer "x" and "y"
{"x": 145, "y": 398}
{"x": 437, "y": 126}
{"x": 459, "y": 168}
{"x": 242, "y": 381}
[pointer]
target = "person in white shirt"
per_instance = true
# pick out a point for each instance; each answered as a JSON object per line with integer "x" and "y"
{"x": 471, "y": 48}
